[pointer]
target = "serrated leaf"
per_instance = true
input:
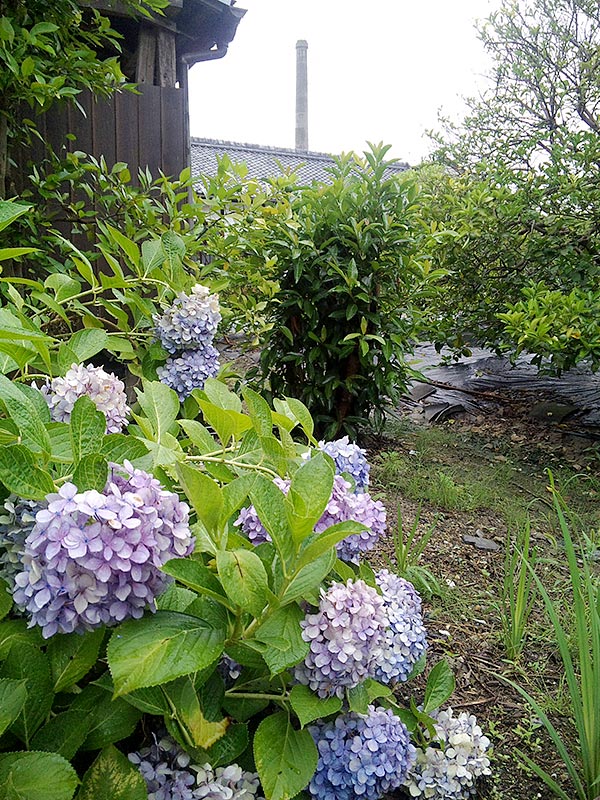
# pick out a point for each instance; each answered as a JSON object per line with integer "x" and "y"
{"x": 112, "y": 777}
{"x": 259, "y": 411}
{"x": 88, "y": 426}
{"x": 218, "y": 393}
{"x": 309, "y": 577}
{"x": 6, "y": 600}
{"x": 308, "y": 706}
{"x": 286, "y": 759}
{"x": 63, "y": 734}
{"x": 36, "y": 776}
{"x": 109, "y": 719}
{"x": 281, "y": 637}
{"x": 269, "y": 502}
{"x": 91, "y": 473}
{"x": 199, "y": 435}
{"x": 160, "y": 404}
{"x": 244, "y": 578}
{"x": 23, "y": 411}
{"x": 72, "y": 656}
{"x": 160, "y": 648}
{"x": 204, "y": 495}
{"x": 13, "y": 693}
{"x": 358, "y": 699}
{"x": 119, "y": 447}
{"x": 88, "y": 342}
{"x": 440, "y": 686}
{"x": 27, "y": 663}
{"x": 309, "y": 493}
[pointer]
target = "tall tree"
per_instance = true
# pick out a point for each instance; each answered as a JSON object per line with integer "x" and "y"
{"x": 50, "y": 51}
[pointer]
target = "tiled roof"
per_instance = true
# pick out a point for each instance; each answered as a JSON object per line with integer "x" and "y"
{"x": 266, "y": 162}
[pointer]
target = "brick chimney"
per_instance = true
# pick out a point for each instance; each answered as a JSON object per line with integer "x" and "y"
{"x": 301, "y": 95}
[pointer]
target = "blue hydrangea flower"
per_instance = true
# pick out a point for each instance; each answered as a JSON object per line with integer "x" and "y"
{"x": 350, "y": 458}
{"x": 343, "y": 505}
{"x": 405, "y": 638}
{"x": 191, "y": 322}
{"x": 103, "y": 388}
{"x": 169, "y": 775}
{"x": 94, "y": 558}
{"x": 449, "y": 769}
{"x": 360, "y": 756}
{"x": 189, "y": 370}
{"x": 345, "y": 637}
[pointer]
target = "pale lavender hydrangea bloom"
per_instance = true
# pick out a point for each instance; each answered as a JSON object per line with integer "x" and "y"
{"x": 345, "y": 637}
{"x": 350, "y": 458}
{"x": 405, "y": 639}
{"x": 343, "y": 505}
{"x": 449, "y": 770}
{"x": 360, "y": 755}
{"x": 169, "y": 775}
{"x": 15, "y": 525}
{"x": 94, "y": 558}
{"x": 191, "y": 322}
{"x": 189, "y": 370}
{"x": 104, "y": 388}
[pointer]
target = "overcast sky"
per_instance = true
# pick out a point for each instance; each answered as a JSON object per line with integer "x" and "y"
{"x": 377, "y": 71}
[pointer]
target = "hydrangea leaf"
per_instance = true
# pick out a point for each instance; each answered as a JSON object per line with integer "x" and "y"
{"x": 259, "y": 411}
{"x": 63, "y": 734}
{"x": 119, "y": 447}
{"x": 285, "y": 758}
{"x": 160, "y": 405}
{"x": 281, "y": 639}
{"x": 20, "y": 474}
{"x": 185, "y": 704}
{"x": 60, "y": 441}
{"x": 91, "y": 472}
{"x": 13, "y": 693}
{"x": 244, "y": 578}
{"x": 226, "y": 422}
{"x": 199, "y": 435}
{"x": 109, "y": 719}
{"x": 322, "y": 542}
{"x": 268, "y": 500}
{"x": 88, "y": 426}
{"x": 308, "y": 706}
{"x": 24, "y": 414}
{"x": 160, "y": 648}
{"x": 358, "y": 699}
{"x": 112, "y": 777}
{"x": 440, "y": 686}
{"x": 218, "y": 393}
{"x": 72, "y": 656}
{"x": 196, "y": 576}
{"x": 87, "y": 342}
{"x": 309, "y": 577}
{"x": 309, "y": 493}
{"x": 37, "y": 776}
{"x": 5, "y": 599}
{"x": 203, "y": 494}
{"x": 28, "y": 663}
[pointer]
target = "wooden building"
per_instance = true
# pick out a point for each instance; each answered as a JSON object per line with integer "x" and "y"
{"x": 149, "y": 129}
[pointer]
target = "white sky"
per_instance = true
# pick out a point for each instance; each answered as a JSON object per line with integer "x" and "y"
{"x": 378, "y": 70}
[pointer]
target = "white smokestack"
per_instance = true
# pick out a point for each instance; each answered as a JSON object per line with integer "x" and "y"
{"x": 301, "y": 95}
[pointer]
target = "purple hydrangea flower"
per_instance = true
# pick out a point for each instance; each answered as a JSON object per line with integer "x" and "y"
{"x": 15, "y": 525}
{"x": 360, "y": 755}
{"x": 103, "y": 388}
{"x": 191, "y": 322}
{"x": 94, "y": 558}
{"x": 345, "y": 638}
{"x": 405, "y": 638}
{"x": 449, "y": 770}
{"x": 350, "y": 458}
{"x": 190, "y": 369}
{"x": 343, "y": 505}
{"x": 169, "y": 775}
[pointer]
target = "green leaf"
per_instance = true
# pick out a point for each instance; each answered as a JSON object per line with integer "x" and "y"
{"x": 13, "y": 694}
{"x": 160, "y": 404}
{"x": 36, "y": 776}
{"x": 27, "y": 663}
{"x": 88, "y": 342}
{"x": 63, "y": 734}
{"x": 308, "y": 706}
{"x": 269, "y": 502}
{"x": 320, "y": 543}
{"x": 112, "y": 777}
{"x": 160, "y": 648}
{"x": 309, "y": 493}
{"x": 225, "y": 422}
{"x": 15, "y": 631}
{"x": 218, "y": 393}
{"x": 91, "y": 473}
{"x": 176, "y": 598}
{"x": 440, "y": 686}
{"x": 60, "y": 442}
{"x": 9, "y": 210}
{"x": 358, "y": 699}
{"x": 228, "y": 747}
{"x": 72, "y": 656}
{"x": 279, "y": 639}
{"x": 259, "y": 411}
{"x": 199, "y": 436}
{"x": 244, "y": 578}
{"x": 302, "y": 414}
{"x": 204, "y": 495}
{"x": 23, "y": 412}
{"x": 199, "y": 726}
{"x": 109, "y": 719}
{"x": 309, "y": 577}
{"x": 128, "y": 247}
{"x": 235, "y": 494}
{"x": 88, "y": 426}
{"x": 119, "y": 447}
{"x": 6, "y": 600}
{"x": 286, "y": 759}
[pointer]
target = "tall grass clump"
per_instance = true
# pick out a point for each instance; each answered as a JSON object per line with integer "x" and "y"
{"x": 518, "y": 590}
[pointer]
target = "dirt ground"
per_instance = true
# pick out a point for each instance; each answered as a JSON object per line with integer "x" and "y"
{"x": 464, "y": 625}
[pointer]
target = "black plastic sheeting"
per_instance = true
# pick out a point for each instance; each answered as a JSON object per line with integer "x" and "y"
{"x": 574, "y": 396}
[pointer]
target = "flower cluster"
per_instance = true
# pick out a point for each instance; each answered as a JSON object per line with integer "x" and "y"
{"x": 186, "y": 330}
{"x": 349, "y": 458}
{"x": 345, "y": 637}
{"x": 343, "y": 505}
{"x": 94, "y": 558}
{"x": 103, "y": 388}
{"x": 191, "y": 322}
{"x": 169, "y": 775}
{"x": 405, "y": 638}
{"x": 15, "y": 525}
{"x": 449, "y": 770}
{"x": 189, "y": 370}
{"x": 360, "y": 755}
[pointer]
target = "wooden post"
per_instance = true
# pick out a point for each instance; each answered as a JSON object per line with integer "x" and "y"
{"x": 146, "y": 54}
{"x": 167, "y": 59}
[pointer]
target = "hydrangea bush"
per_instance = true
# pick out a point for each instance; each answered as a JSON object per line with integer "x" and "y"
{"x": 200, "y": 569}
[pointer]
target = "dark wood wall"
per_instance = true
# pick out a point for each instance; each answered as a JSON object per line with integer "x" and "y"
{"x": 145, "y": 130}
